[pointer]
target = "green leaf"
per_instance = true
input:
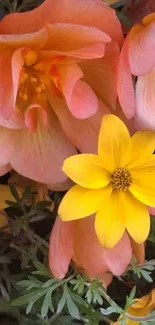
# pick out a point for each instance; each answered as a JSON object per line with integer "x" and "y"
{"x": 49, "y": 283}
{"x": 72, "y": 308}
{"x": 89, "y": 296}
{"x": 28, "y": 283}
{"x": 29, "y": 297}
{"x": 46, "y": 304}
{"x": 61, "y": 303}
{"x": 42, "y": 270}
{"x": 146, "y": 275}
{"x": 14, "y": 193}
{"x": 43, "y": 204}
{"x": 12, "y": 203}
{"x": 107, "y": 311}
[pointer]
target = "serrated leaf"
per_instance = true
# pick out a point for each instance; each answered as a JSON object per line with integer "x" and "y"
{"x": 14, "y": 192}
{"x": 12, "y": 203}
{"x": 42, "y": 269}
{"x": 81, "y": 288}
{"x": 61, "y": 303}
{"x": 107, "y": 311}
{"x": 72, "y": 308}
{"x": 146, "y": 275}
{"x": 28, "y": 283}
{"x": 132, "y": 293}
{"x": 46, "y": 304}
{"x": 29, "y": 307}
{"x": 89, "y": 296}
{"x": 79, "y": 300}
{"x": 28, "y": 297}
{"x": 49, "y": 283}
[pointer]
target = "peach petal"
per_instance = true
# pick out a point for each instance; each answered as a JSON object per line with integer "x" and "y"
{"x": 100, "y": 74}
{"x": 35, "y": 112}
{"x": 145, "y": 101}
{"x": 8, "y": 140}
{"x": 16, "y": 121}
{"x": 83, "y": 103}
{"x": 34, "y": 40}
{"x": 82, "y": 133}
{"x": 71, "y": 37}
{"x": 141, "y": 49}
{"x": 119, "y": 257}
{"x": 71, "y": 11}
{"x": 5, "y": 169}
{"x": 93, "y": 257}
{"x": 6, "y": 89}
{"x": 61, "y": 248}
{"x": 17, "y": 63}
{"x": 43, "y": 153}
{"x": 125, "y": 87}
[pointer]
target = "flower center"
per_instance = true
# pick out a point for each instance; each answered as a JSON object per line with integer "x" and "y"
{"x": 121, "y": 179}
{"x": 37, "y": 77}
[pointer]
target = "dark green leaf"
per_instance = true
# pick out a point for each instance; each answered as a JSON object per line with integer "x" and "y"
{"x": 14, "y": 193}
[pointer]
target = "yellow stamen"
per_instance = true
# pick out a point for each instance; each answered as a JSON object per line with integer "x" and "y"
{"x": 38, "y": 89}
{"x": 30, "y": 57}
{"x": 121, "y": 179}
{"x": 33, "y": 79}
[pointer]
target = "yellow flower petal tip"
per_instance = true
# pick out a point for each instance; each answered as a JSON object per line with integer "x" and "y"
{"x": 140, "y": 308}
{"x": 123, "y": 166}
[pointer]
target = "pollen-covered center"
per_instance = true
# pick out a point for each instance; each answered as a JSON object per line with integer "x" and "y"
{"x": 37, "y": 76}
{"x": 121, "y": 179}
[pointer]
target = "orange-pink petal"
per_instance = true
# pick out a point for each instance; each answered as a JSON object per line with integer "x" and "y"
{"x": 88, "y": 13}
{"x": 61, "y": 248}
{"x": 141, "y": 49}
{"x": 145, "y": 101}
{"x": 125, "y": 87}
{"x": 72, "y": 37}
{"x": 42, "y": 155}
{"x": 82, "y": 133}
{"x": 100, "y": 74}
{"x": 8, "y": 139}
{"x": 93, "y": 257}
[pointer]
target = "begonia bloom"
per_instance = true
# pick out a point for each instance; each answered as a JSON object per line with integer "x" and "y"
{"x": 117, "y": 184}
{"x": 77, "y": 240}
{"x": 57, "y": 69}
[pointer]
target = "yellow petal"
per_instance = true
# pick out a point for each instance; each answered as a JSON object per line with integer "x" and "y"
{"x": 142, "y": 145}
{"x": 137, "y": 218}
{"x": 143, "y": 185}
{"x": 80, "y": 202}
{"x": 87, "y": 171}
{"x": 114, "y": 138}
{"x": 110, "y": 221}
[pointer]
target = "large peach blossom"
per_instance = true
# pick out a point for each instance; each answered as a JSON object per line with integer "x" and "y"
{"x": 57, "y": 78}
{"x": 137, "y": 62}
{"x": 77, "y": 240}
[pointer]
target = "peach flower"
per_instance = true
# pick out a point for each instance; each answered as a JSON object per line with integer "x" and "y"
{"x": 58, "y": 77}
{"x": 77, "y": 240}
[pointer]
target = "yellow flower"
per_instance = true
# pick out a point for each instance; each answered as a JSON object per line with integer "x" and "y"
{"x": 141, "y": 308}
{"x": 117, "y": 184}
